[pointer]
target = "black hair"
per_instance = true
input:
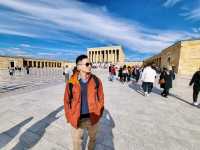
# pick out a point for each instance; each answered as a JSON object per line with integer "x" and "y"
{"x": 80, "y": 58}
{"x": 75, "y": 69}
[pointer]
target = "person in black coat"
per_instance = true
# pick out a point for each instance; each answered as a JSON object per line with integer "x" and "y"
{"x": 167, "y": 76}
{"x": 120, "y": 74}
{"x": 196, "y": 86}
{"x": 137, "y": 74}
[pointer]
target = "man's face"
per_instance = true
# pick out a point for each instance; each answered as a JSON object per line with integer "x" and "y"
{"x": 84, "y": 65}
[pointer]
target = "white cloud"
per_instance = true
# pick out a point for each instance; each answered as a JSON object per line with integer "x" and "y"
{"x": 193, "y": 15}
{"x": 171, "y": 3}
{"x": 48, "y": 54}
{"x": 14, "y": 32}
{"x": 55, "y": 19}
{"x": 104, "y": 8}
{"x": 25, "y": 45}
{"x": 196, "y": 30}
{"x": 14, "y": 51}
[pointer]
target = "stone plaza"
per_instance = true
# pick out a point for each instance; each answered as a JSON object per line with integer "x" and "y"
{"x": 32, "y": 115}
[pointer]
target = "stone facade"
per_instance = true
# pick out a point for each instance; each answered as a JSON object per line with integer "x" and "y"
{"x": 133, "y": 63}
{"x": 111, "y": 54}
{"x": 183, "y": 56}
{"x": 9, "y": 61}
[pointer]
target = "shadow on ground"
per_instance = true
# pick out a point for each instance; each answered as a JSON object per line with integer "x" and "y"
{"x": 12, "y": 132}
{"x": 183, "y": 100}
{"x": 158, "y": 91}
{"x": 104, "y": 139}
{"x": 137, "y": 87}
{"x": 33, "y": 134}
{"x": 177, "y": 97}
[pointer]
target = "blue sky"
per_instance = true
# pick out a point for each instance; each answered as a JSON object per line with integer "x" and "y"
{"x": 63, "y": 29}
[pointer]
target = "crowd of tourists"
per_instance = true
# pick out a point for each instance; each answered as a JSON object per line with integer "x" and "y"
{"x": 125, "y": 74}
{"x": 13, "y": 70}
{"x": 148, "y": 75}
{"x": 151, "y": 74}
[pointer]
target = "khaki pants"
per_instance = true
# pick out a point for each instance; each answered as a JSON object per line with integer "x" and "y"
{"x": 77, "y": 134}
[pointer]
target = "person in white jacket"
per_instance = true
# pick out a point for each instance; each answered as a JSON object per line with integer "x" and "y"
{"x": 148, "y": 78}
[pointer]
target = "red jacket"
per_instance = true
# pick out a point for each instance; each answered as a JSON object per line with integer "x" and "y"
{"x": 113, "y": 71}
{"x": 96, "y": 106}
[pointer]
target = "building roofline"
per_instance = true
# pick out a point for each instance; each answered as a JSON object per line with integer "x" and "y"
{"x": 192, "y": 39}
{"x": 134, "y": 61}
{"x": 106, "y": 46}
{"x": 177, "y": 42}
{"x": 24, "y": 57}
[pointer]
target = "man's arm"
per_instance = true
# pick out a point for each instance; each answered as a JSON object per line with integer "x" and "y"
{"x": 174, "y": 75}
{"x": 192, "y": 80}
{"x": 143, "y": 74}
{"x": 155, "y": 74}
{"x": 161, "y": 76}
{"x": 66, "y": 100}
{"x": 101, "y": 95}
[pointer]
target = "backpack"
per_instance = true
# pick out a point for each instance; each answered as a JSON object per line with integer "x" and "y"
{"x": 71, "y": 88}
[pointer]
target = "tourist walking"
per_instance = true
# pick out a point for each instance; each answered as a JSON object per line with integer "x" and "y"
{"x": 109, "y": 70}
{"x": 129, "y": 74}
{"x": 83, "y": 103}
{"x": 11, "y": 71}
{"x": 195, "y": 81}
{"x": 165, "y": 81}
{"x": 67, "y": 72}
{"x": 148, "y": 78}
{"x": 113, "y": 73}
{"x": 137, "y": 73}
{"x": 27, "y": 70}
{"x": 124, "y": 73}
{"x": 120, "y": 75}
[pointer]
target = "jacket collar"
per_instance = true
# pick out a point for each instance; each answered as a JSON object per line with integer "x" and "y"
{"x": 75, "y": 78}
{"x": 88, "y": 77}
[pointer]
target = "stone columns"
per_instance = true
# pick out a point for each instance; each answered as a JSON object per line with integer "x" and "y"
{"x": 113, "y": 56}
{"x": 102, "y": 54}
{"x": 106, "y": 55}
{"x": 38, "y": 64}
{"x": 117, "y": 55}
{"x": 95, "y": 56}
{"x": 98, "y": 56}
{"x": 90, "y": 56}
{"x": 109, "y": 56}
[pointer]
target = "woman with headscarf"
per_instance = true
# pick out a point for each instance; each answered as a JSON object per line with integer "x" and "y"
{"x": 166, "y": 78}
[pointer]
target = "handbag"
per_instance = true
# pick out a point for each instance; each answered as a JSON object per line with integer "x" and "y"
{"x": 162, "y": 81}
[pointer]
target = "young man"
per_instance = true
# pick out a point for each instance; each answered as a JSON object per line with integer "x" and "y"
{"x": 83, "y": 103}
{"x": 196, "y": 87}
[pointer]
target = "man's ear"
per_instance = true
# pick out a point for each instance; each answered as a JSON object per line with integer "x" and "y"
{"x": 78, "y": 67}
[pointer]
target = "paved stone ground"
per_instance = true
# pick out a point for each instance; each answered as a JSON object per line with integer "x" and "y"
{"x": 21, "y": 82}
{"x": 35, "y": 120}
